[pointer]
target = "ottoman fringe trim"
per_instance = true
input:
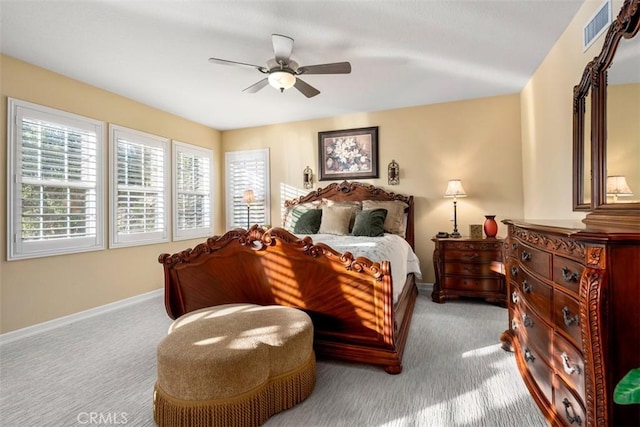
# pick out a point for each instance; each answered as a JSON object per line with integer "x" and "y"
{"x": 248, "y": 409}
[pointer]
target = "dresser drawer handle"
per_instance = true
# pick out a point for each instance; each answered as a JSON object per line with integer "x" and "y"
{"x": 526, "y": 287}
{"x": 514, "y": 270}
{"x": 527, "y": 321}
{"x": 569, "y": 320}
{"x": 568, "y": 276}
{"x": 570, "y": 370}
{"x": 528, "y": 356}
{"x": 514, "y": 246}
{"x": 473, "y": 255}
{"x": 526, "y": 256}
{"x": 575, "y": 418}
{"x": 514, "y": 297}
{"x": 514, "y": 324}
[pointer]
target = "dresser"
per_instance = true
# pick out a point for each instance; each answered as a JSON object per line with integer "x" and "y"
{"x": 574, "y": 318}
{"x": 463, "y": 267}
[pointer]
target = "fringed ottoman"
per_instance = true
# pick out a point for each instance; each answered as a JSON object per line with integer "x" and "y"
{"x": 233, "y": 365}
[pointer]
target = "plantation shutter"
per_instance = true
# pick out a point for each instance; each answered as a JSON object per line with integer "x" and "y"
{"x": 139, "y": 188}
{"x": 247, "y": 170}
{"x": 55, "y": 189}
{"x": 192, "y": 176}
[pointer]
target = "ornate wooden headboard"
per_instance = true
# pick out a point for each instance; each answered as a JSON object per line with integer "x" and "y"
{"x": 356, "y": 191}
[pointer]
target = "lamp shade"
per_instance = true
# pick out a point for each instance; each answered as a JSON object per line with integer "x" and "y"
{"x": 282, "y": 80}
{"x": 455, "y": 189}
{"x": 248, "y": 196}
{"x": 617, "y": 186}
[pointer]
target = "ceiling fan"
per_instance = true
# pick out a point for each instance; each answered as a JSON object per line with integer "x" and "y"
{"x": 282, "y": 72}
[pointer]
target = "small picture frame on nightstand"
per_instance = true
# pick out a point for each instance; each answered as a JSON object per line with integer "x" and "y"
{"x": 475, "y": 231}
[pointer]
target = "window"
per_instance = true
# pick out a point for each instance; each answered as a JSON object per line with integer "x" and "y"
{"x": 55, "y": 182}
{"x": 192, "y": 184}
{"x": 247, "y": 170}
{"x": 139, "y": 190}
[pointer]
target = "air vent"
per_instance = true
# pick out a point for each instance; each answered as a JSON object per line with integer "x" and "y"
{"x": 597, "y": 24}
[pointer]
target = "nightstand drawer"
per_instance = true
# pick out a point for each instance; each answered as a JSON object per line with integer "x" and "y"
{"x": 472, "y": 284}
{"x": 466, "y": 269}
{"x": 471, "y": 256}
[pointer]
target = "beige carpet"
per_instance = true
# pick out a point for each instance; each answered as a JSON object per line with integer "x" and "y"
{"x": 101, "y": 371}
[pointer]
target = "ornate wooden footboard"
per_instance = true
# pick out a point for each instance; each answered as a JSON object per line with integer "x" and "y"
{"x": 349, "y": 299}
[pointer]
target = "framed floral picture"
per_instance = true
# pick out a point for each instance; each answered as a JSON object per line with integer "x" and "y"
{"x": 348, "y": 154}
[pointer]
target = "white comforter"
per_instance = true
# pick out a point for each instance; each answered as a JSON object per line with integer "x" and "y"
{"x": 389, "y": 247}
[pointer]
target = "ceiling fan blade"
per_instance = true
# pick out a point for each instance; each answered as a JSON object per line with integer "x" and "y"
{"x": 334, "y": 68}
{"x": 306, "y": 89}
{"x": 227, "y": 62}
{"x": 257, "y": 86}
{"x": 282, "y": 47}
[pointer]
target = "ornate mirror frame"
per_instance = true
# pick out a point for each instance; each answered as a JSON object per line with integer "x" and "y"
{"x": 622, "y": 215}
{"x": 580, "y": 96}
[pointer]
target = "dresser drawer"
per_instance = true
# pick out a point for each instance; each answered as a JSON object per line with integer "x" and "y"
{"x": 536, "y": 293}
{"x": 539, "y": 370}
{"x": 535, "y": 260}
{"x": 568, "y": 406}
{"x": 569, "y": 363}
{"x": 532, "y": 330}
{"x": 472, "y": 255}
{"x": 567, "y": 273}
{"x": 467, "y": 269}
{"x": 566, "y": 316}
{"x": 472, "y": 284}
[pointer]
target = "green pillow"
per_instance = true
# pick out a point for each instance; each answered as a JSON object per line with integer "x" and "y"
{"x": 308, "y": 222}
{"x": 369, "y": 223}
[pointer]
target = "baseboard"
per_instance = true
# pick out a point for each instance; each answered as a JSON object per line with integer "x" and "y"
{"x": 425, "y": 287}
{"x": 65, "y": 320}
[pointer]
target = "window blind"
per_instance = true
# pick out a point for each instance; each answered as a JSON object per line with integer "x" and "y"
{"x": 139, "y": 188}
{"x": 247, "y": 170}
{"x": 56, "y": 190}
{"x": 192, "y": 191}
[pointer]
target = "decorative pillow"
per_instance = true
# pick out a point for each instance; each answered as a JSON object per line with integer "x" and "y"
{"x": 355, "y": 204}
{"x": 308, "y": 222}
{"x": 369, "y": 223}
{"x": 336, "y": 219}
{"x": 394, "y": 223}
{"x": 294, "y": 212}
{"x": 352, "y": 203}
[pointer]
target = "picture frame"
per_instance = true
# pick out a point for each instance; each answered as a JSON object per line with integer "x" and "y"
{"x": 348, "y": 154}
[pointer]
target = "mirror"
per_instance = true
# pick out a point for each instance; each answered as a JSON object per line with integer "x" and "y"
{"x": 582, "y": 142}
{"x": 623, "y": 125}
{"x": 608, "y": 184}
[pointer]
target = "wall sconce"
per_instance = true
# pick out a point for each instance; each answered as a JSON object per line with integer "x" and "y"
{"x": 394, "y": 173}
{"x": 248, "y": 197}
{"x": 455, "y": 190}
{"x": 307, "y": 178}
{"x": 617, "y": 186}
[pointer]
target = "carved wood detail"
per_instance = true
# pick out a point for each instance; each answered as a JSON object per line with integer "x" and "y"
{"x": 566, "y": 246}
{"x": 592, "y": 300}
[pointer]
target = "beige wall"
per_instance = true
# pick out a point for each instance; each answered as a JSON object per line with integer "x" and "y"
{"x": 37, "y": 290}
{"x": 547, "y": 120}
{"x": 476, "y": 140}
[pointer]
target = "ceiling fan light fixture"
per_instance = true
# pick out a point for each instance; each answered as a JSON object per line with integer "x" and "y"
{"x": 282, "y": 80}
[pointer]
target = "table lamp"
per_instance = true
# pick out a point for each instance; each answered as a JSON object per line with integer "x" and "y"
{"x": 455, "y": 190}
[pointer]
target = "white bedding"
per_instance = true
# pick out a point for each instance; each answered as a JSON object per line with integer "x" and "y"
{"x": 389, "y": 247}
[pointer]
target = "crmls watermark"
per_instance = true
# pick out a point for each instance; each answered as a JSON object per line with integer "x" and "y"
{"x": 103, "y": 418}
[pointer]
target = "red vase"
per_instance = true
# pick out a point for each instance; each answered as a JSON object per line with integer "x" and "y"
{"x": 490, "y": 226}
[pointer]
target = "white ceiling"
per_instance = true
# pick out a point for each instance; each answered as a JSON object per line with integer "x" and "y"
{"x": 403, "y": 53}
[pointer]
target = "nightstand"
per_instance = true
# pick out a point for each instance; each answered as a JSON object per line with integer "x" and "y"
{"x": 463, "y": 269}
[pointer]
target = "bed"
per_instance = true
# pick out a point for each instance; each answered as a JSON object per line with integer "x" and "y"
{"x": 357, "y": 316}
